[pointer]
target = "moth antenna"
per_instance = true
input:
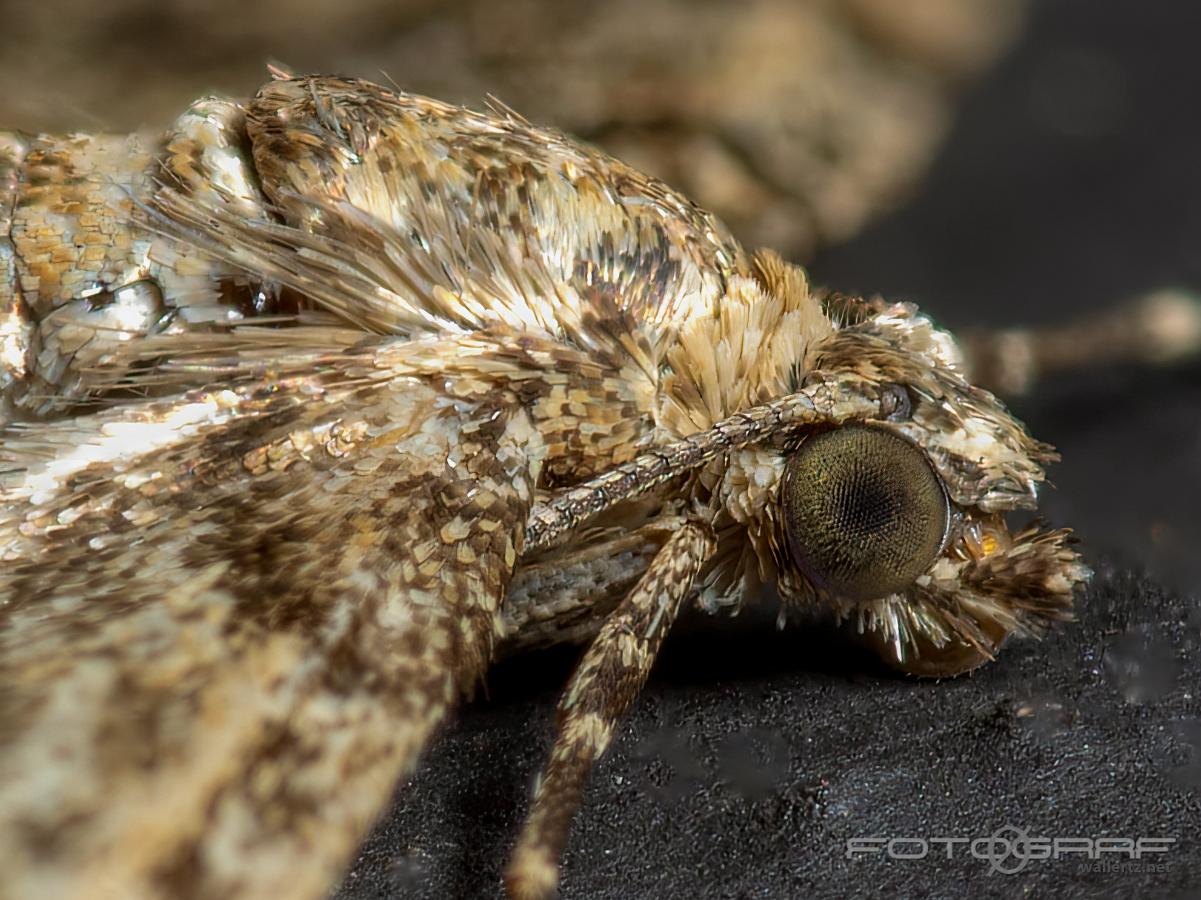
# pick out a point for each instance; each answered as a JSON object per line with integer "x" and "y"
{"x": 824, "y": 401}
{"x": 609, "y": 677}
{"x": 1159, "y": 328}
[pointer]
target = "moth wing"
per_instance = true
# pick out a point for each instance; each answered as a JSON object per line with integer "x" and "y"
{"x": 220, "y": 652}
{"x": 404, "y": 215}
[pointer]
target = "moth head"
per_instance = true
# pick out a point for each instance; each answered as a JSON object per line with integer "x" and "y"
{"x": 898, "y": 523}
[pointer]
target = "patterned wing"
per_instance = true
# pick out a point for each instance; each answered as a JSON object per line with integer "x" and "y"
{"x": 230, "y": 620}
{"x": 336, "y": 204}
{"x": 413, "y": 216}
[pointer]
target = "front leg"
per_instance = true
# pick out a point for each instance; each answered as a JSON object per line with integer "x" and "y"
{"x": 609, "y": 677}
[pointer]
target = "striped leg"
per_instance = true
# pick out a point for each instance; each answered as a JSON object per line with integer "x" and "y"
{"x": 609, "y": 677}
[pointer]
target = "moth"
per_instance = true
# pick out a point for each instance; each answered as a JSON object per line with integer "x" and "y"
{"x": 321, "y": 401}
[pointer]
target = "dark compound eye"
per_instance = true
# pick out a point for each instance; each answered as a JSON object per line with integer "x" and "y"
{"x": 865, "y": 511}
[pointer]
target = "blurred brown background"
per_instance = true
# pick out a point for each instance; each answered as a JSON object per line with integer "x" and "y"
{"x": 793, "y": 120}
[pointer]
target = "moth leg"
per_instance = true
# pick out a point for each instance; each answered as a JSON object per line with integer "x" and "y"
{"x": 1159, "y": 328}
{"x": 609, "y": 677}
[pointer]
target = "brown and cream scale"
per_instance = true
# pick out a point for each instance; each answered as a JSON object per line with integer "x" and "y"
{"x": 322, "y": 401}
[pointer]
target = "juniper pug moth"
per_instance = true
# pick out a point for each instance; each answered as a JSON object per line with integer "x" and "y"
{"x": 322, "y": 400}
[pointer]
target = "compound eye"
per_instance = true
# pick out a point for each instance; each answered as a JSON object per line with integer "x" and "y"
{"x": 865, "y": 511}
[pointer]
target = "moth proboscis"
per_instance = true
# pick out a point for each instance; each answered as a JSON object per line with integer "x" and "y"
{"x": 320, "y": 401}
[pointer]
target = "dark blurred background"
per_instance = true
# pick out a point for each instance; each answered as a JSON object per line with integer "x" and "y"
{"x": 997, "y": 163}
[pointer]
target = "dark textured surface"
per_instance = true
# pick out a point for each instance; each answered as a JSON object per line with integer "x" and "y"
{"x": 753, "y": 756}
{"x": 1045, "y": 740}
